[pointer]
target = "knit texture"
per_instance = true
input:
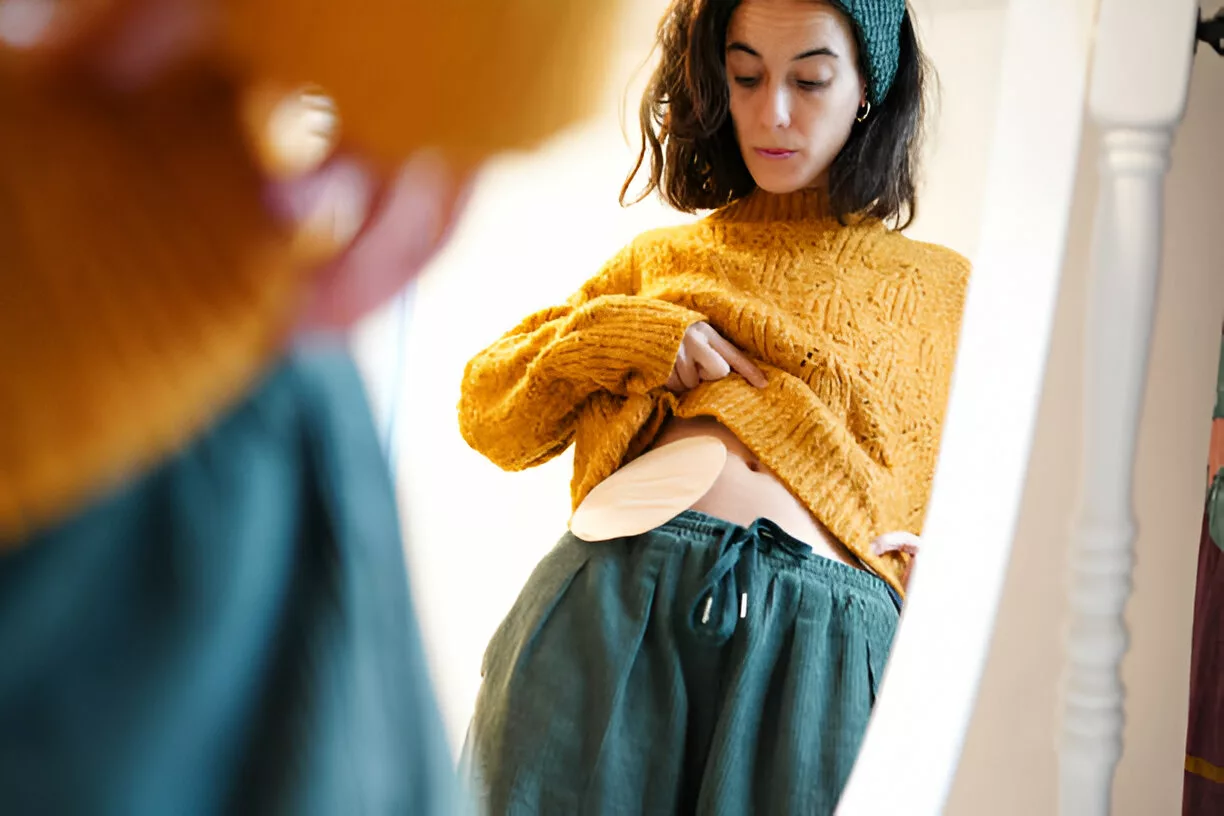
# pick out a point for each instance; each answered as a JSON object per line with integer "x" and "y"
{"x": 405, "y": 74}
{"x": 878, "y": 25}
{"x": 855, "y": 327}
{"x": 146, "y": 288}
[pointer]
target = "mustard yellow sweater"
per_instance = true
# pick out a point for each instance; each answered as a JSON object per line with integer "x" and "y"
{"x": 145, "y": 288}
{"x": 855, "y": 326}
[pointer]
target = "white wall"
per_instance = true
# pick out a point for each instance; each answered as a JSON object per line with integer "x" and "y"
{"x": 1009, "y": 764}
{"x": 962, "y": 40}
{"x": 537, "y": 227}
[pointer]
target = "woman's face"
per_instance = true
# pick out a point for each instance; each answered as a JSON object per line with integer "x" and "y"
{"x": 792, "y": 72}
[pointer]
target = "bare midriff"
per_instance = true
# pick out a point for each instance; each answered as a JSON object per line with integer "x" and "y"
{"x": 746, "y": 490}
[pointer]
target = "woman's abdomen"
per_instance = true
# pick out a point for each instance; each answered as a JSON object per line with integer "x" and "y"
{"x": 746, "y": 489}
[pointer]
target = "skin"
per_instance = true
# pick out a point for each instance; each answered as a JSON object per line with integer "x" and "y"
{"x": 795, "y": 89}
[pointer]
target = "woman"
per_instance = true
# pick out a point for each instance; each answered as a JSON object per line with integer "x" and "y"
{"x": 203, "y": 599}
{"x": 711, "y": 634}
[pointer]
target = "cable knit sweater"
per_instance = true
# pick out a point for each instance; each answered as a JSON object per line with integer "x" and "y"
{"x": 855, "y": 327}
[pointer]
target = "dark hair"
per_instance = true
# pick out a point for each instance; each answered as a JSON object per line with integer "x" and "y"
{"x": 695, "y": 159}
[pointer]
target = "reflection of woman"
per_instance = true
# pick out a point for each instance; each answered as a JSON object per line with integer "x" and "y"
{"x": 724, "y": 657}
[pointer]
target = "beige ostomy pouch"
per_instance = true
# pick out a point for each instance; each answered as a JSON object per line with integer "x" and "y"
{"x": 651, "y": 490}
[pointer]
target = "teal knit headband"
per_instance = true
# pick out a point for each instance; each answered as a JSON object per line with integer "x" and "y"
{"x": 878, "y": 25}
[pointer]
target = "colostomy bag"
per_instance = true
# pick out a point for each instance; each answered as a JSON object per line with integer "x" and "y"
{"x": 651, "y": 490}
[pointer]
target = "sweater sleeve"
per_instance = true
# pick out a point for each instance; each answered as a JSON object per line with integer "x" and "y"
{"x": 521, "y": 397}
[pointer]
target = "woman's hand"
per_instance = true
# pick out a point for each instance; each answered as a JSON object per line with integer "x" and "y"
{"x": 706, "y": 355}
{"x": 907, "y": 543}
{"x": 364, "y": 229}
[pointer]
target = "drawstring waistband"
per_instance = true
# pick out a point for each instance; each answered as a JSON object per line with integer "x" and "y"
{"x": 720, "y": 601}
{"x": 722, "y": 596}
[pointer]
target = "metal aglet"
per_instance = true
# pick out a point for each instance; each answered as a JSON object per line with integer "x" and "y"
{"x": 705, "y": 616}
{"x": 743, "y": 606}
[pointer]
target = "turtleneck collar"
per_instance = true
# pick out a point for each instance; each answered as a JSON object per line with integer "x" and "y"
{"x": 759, "y": 205}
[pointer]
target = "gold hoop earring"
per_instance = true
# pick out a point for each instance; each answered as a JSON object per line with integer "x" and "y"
{"x": 864, "y": 113}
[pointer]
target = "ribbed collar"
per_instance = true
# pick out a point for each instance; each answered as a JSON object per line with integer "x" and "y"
{"x": 758, "y": 206}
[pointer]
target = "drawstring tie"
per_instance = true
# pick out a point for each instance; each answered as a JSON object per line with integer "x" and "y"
{"x": 720, "y": 602}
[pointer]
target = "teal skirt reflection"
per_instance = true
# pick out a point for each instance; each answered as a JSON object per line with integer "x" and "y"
{"x": 702, "y": 667}
{"x": 231, "y": 633}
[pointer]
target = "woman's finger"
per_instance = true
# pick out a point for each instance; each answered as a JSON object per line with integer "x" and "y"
{"x": 738, "y": 361}
{"x": 406, "y": 226}
{"x": 710, "y": 364}
{"x": 892, "y": 542}
{"x": 294, "y": 131}
{"x": 675, "y": 382}
{"x": 686, "y": 368}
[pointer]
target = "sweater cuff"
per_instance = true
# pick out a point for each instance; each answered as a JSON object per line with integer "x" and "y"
{"x": 631, "y": 342}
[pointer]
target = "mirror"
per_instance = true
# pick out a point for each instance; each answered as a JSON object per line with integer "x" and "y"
{"x": 732, "y": 393}
{"x": 476, "y": 533}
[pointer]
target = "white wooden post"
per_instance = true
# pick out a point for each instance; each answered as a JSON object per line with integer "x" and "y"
{"x": 1140, "y": 77}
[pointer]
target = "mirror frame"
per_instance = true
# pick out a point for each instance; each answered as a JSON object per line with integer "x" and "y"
{"x": 930, "y": 686}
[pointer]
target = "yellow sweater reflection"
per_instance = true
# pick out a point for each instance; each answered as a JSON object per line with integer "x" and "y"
{"x": 855, "y": 326}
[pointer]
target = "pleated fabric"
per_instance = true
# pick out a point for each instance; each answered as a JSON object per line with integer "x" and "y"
{"x": 703, "y": 667}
